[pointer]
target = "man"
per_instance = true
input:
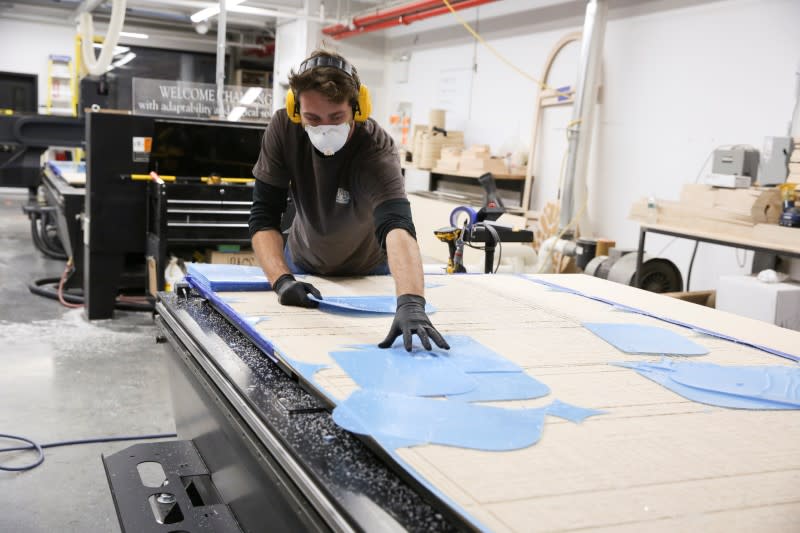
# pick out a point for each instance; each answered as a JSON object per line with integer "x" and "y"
{"x": 352, "y": 215}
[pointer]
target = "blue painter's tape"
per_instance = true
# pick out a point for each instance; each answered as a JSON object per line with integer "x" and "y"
{"x": 641, "y": 339}
{"x": 472, "y": 215}
{"x": 715, "y": 383}
{"x": 418, "y": 373}
{"x": 757, "y": 346}
{"x": 362, "y": 304}
{"x": 446, "y": 422}
{"x": 223, "y": 278}
{"x": 501, "y": 386}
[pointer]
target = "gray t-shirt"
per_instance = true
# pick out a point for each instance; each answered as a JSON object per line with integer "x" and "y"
{"x": 333, "y": 232}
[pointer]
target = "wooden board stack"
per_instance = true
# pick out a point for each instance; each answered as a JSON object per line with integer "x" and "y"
{"x": 794, "y": 163}
{"x": 750, "y": 214}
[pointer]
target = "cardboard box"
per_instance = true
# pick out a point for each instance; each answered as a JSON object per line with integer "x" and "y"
{"x": 245, "y": 257}
{"x": 776, "y": 303}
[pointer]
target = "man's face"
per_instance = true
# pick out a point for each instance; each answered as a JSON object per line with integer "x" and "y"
{"x": 317, "y": 110}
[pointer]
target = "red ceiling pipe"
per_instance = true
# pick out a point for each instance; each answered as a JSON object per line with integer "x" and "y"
{"x": 405, "y": 20}
{"x": 378, "y": 16}
{"x": 398, "y": 11}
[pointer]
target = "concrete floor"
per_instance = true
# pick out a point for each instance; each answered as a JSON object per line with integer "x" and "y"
{"x": 64, "y": 378}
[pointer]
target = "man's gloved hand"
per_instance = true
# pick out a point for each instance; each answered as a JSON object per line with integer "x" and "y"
{"x": 410, "y": 318}
{"x": 293, "y": 292}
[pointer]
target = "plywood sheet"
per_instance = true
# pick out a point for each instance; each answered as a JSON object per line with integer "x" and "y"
{"x": 655, "y": 461}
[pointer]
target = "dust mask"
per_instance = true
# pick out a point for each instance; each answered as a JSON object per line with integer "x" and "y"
{"x": 328, "y": 139}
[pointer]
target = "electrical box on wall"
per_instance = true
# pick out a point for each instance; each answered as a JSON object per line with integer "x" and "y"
{"x": 774, "y": 165}
{"x": 737, "y": 160}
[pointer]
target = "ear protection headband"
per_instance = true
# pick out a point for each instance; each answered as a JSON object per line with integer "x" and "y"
{"x": 363, "y": 107}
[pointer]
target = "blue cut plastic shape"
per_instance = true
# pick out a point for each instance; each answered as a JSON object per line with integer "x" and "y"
{"x": 465, "y": 353}
{"x": 501, "y": 386}
{"x": 388, "y": 417}
{"x": 362, "y": 304}
{"x": 775, "y": 383}
{"x": 640, "y": 339}
{"x": 664, "y": 371}
{"x": 223, "y": 278}
{"x": 417, "y": 373}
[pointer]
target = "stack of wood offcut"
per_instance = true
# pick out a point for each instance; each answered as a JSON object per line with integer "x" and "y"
{"x": 428, "y": 146}
{"x": 745, "y": 213}
{"x": 794, "y": 163}
{"x": 475, "y": 160}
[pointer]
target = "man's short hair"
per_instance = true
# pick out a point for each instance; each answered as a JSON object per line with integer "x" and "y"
{"x": 334, "y": 83}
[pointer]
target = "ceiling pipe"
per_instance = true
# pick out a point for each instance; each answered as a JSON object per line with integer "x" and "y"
{"x": 381, "y": 15}
{"x": 410, "y": 13}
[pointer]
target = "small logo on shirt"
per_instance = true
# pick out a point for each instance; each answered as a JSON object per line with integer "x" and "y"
{"x": 342, "y": 196}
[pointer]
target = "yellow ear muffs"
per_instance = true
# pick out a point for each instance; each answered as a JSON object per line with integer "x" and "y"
{"x": 294, "y": 116}
{"x": 361, "y": 114}
{"x": 364, "y": 104}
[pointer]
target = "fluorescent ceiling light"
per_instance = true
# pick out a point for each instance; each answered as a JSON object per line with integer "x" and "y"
{"x": 209, "y": 12}
{"x": 236, "y": 113}
{"x": 262, "y": 12}
{"x": 117, "y": 49}
{"x": 134, "y": 35}
{"x": 250, "y": 96}
{"x": 127, "y": 58}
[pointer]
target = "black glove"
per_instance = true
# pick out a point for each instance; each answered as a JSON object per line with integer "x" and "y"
{"x": 410, "y": 318}
{"x": 293, "y": 292}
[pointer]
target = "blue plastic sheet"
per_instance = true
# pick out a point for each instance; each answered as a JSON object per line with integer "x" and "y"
{"x": 224, "y": 278}
{"x": 502, "y": 386}
{"x": 362, "y": 304}
{"x": 465, "y": 353}
{"x": 468, "y": 371}
{"x": 389, "y": 417}
{"x": 418, "y": 373}
{"x": 739, "y": 387}
{"x": 641, "y": 339}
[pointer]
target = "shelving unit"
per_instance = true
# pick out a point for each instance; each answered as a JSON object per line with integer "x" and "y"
{"x": 61, "y": 94}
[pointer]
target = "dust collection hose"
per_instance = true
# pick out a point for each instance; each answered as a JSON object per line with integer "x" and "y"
{"x": 94, "y": 65}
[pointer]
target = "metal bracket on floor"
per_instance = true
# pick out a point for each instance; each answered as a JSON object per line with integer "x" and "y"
{"x": 165, "y": 486}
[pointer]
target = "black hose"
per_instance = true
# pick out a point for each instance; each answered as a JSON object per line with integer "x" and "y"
{"x": 41, "y": 287}
{"x": 39, "y": 448}
{"x": 43, "y": 243}
{"x": 691, "y": 264}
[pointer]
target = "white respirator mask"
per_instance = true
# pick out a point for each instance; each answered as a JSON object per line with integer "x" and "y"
{"x": 328, "y": 139}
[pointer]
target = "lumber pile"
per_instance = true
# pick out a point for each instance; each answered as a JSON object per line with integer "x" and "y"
{"x": 750, "y": 214}
{"x": 794, "y": 162}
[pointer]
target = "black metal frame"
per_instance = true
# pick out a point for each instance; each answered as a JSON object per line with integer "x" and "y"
{"x": 187, "y": 500}
{"x": 348, "y": 484}
{"x": 643, "y": 230}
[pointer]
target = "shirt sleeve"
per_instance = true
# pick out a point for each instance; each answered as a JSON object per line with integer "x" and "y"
{"x": 380, "y": 177}
{"x": 269, "y": 204}
{"x": 271, "y": 166}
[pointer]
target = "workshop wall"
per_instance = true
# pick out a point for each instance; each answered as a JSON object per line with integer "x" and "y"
{"x": 27, "y": 45}
{"x": 680, "y": 78}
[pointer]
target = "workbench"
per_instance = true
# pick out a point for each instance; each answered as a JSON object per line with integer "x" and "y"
{"x": 772, "y": 239}
{"x": 653, "y": 460}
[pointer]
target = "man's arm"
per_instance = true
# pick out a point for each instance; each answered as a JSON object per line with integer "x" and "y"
{"x": 395, "y": 232}
{"x": 269, "y": 203}
{"x": 405, "y": 262}
{"x": 268, "y": 246}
